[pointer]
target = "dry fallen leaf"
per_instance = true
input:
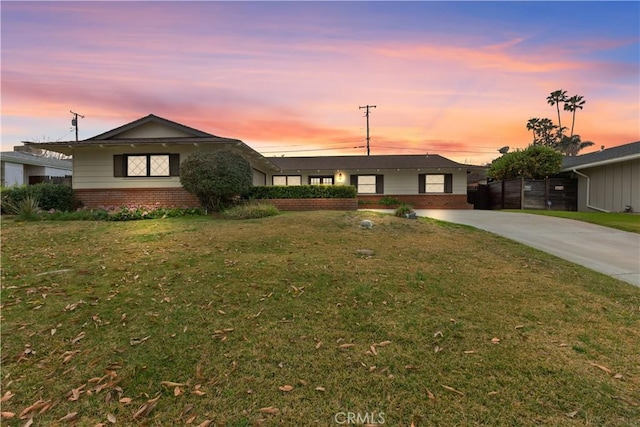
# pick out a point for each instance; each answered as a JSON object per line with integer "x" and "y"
{"x": 431, "y": 395}
{"x": 383, "y": 343}
{"x": 604, "y": 368}
{"x": 438, "y": 334}
{"x": 172, "y": 384}
{"x": 137, "y": 341}
{"x": 285, "y": 388}
{"x": 320, "y": 389}
{"x": 146, "y": 409}
{"x": 78, "y": 338}
{"x": 8, "y": 395}
{"x": 269, "y": 410}
{"x": 205, "y": 423}
{"x": 469, "y": 351}
{"x": 446, "y": 387}
{"x": 111, "y": 418}
{"x": 7, "y": 415}
{"x": 198, "y": 392}
{"x": 495, "y": 340}
{"x": 571, "y": 414}
{"x": 617, "y": 376}
{"x": 35, "y": 407}
{"x": 346, "y": 345}
{"x": 71, "y": 416}
{"x": 177, "y": 391}
{"x": 125, "y": 400}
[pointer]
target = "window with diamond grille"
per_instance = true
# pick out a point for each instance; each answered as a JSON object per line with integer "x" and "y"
{"x": 159, "y": 165}
{"x": 137, "y": 166}
{"x": 146, "y": 165}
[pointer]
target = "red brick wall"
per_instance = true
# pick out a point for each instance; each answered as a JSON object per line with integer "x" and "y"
{"x": 117, "y": 197}
{"x": 419, "y": 201}
{"x": 180, "y": 198}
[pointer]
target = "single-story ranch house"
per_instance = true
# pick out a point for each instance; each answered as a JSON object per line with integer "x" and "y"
{"x": 139, "y": 163}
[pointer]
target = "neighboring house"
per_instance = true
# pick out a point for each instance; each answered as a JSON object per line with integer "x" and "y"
{"x": 139, "y": 163}
{"x": 18, "y": 168}
{"x": 608, "y": 180}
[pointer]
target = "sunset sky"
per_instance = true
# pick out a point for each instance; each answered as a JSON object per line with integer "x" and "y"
{"x": 460, "y": 79}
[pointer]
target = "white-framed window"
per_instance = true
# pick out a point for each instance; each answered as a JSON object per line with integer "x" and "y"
{"x": 434, "y": 184}
{"x": 148, "y": 165}
{"x": 286, "y": 180}
{"x": 321, "y": 180}
{"x": 366, "y": 184}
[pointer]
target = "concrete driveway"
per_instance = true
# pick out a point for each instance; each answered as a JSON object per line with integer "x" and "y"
{"x": 606, "y": 250}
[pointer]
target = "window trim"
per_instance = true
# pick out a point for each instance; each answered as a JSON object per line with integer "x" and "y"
{"x": 448, "y": 183}
{"x": 379, "y": 183}
{"x": 322, "y": 178}
{"x": 120, "y": 165}
{"x": 286, "y": 177}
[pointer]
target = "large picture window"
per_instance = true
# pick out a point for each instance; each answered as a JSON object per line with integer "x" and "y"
{"x": 368, "y": 184}
{"x": 435, "y": 183}
{"x": 146, "y": 165}
{"x": 287, "y": 180}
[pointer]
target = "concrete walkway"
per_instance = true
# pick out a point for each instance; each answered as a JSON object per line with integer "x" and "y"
{"x": 606, "y": 250}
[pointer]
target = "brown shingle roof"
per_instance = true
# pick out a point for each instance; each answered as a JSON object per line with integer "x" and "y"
{"x": 365, "y": 162}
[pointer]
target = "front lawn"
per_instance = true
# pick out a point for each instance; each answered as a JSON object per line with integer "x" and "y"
{"x": 308, "y": 319}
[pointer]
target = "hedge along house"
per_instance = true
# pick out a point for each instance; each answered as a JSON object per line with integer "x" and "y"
{"x": 139, "y": 164}
{"x": 423, "y": 181}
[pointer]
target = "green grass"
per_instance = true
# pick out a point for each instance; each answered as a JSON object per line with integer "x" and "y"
{"x": 442, "y": 325}
{"x": 620, "y": 221}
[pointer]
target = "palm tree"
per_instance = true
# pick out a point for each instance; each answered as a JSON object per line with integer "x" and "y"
{"x": 571, "y": 145}
{"x": 576, "y": 102}
{"x": 555, "y": 98}
{"x": 533, "y": 125}
{"x": 542, "y": 131}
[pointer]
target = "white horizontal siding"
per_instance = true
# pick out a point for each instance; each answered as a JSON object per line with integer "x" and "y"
{"x": 398, "y": 182}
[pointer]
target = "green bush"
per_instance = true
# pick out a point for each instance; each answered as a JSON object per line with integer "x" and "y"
{"x": 26, "y": 209}
{"x": 534, "y": 162}
{"x": 49, "y": 196}
{"x": 403, "y": 210}
{"x": 216, "y": 178}
{"x": 390, "y": 201}
{"x": 133, "y": 213}
{"x": 250, "y": 211}
{"x": 302, "y": 192}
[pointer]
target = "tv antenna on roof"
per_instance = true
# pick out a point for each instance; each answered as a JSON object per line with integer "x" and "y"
{"x": 74, "y": 121}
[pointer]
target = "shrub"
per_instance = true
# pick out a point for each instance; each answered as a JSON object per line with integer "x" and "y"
{"x": 534, "y": 162}
{"x": 303, "y": 192}
{"x": 216, "y": 178}
{"x": 49, "y": 196}
{"x": 403, "y": 210}
{"x": 389, "y": 201}
{"x": 133, "y": 213}
{"x": 26, "y": 209}
{"x": 250, "y": 211}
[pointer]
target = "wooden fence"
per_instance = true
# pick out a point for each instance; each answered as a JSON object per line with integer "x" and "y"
{"x": 560, "y": 194}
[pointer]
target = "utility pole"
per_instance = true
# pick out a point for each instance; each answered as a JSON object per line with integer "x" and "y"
{"x": 366, "y": 114}
{"x": 74, "y": 121}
